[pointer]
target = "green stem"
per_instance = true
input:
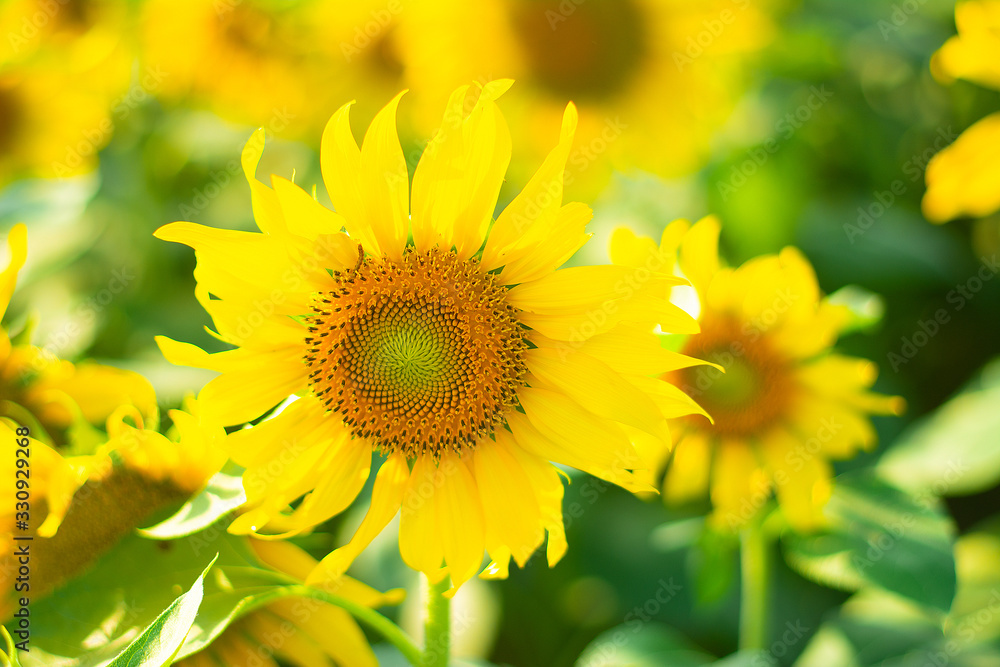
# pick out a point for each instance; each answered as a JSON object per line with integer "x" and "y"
{"x": 437, "y": 626}
{"x": 754, "y": 589}
{"x": 369, "y": 617}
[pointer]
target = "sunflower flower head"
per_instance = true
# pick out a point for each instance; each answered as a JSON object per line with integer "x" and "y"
{"x": 84, "y": 504}
{"x": 51, "y": 395}
{"x": 653, "y": 81}
{"x": 410, "y": 324}
{"x": 962, "y": 178}
{"x": 785, "y": 405}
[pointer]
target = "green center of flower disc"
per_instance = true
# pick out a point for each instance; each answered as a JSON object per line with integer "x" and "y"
{"x": 420, "y": 356}
{"x": 756, "y": 388}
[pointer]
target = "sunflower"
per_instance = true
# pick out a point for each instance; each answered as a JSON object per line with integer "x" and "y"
{"x": 82, "y": 505}
{"x": 654, "y": 79}
{"x": 284, "y": 66}
{"x": 64, "y": 66}
{"x": 446, "y": 342}
{"x": 786, "y": 404}
{"x": 962, "y": 179}
{"x": 296, "y": 631}
{"x": 52, "y": 395}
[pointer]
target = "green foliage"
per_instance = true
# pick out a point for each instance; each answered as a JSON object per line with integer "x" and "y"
{"x": 223, "y": 494}
{"x": 162, "y": 639}
{"x": 879, "y": 536}
{"x": 94, "y": 617}
{"x": 953, "y": 451}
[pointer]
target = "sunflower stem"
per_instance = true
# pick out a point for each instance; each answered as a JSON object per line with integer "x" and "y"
{"x": 437, "y": 625}
{"x": 376, "y": 621}
{"x": 754, "y": 586}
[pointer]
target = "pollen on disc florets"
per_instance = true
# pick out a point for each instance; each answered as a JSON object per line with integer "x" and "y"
{"x": 421, "y": 355}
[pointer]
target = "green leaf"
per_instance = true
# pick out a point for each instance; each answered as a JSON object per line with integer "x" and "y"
{"x": 865, "y": 307}
{"x": 877, "y": 628}
{"x": 162, "y": 639}
{"x": 953, "y": 451}
{"x": 91, "y": 619}
{"x": 872, "y": 627}
{"x": 639, "y": 644}
{"x": 879, "y": 536}
{"x": 223, "y": 494}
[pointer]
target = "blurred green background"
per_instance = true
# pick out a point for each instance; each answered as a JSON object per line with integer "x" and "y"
{"x": 824, "y": 149}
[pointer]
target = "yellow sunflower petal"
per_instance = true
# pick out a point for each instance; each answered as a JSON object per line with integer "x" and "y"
{"x": 699, "y": 253}
{"x": 511, "y": 512}
{"x": 961, "y": 179}
{"x": 802, "y": 480}
{"x": 687, "y": 475}
{"x": 17, "y": 243}
{"x": 338, "y": 634}
{"x": 385, "y": 182}
{"x": 244, "y": 393}
{"x": 419, "y": 544}
{"x": 459, "y": 520}
{"x": 530, "y": 220}
{"x": 342, "y": 476}
{"x": 458, "y": 178}
{"x": 266, "y": 210}
{"x": 740, "y": 486}
{"x": 387, "y": 496}
{"x": 566, "y": 235}
{"x": 562, "y": 431}
{"x": 296, "y": 646}
{"x": 597, "y": 388}
{"x": 549, "y": 493}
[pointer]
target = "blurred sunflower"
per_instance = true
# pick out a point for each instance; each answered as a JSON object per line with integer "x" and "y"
{"x": 62, "y": 67}
{"x": 296, "y": 631}
{"x": 445, "y": 341}
{"x": 88, "y": 32}
{"x": 284, "y": 66}
{"x": 51, "y": 395}
{"x": 785, "y": 406}
{"x": 964, "y": 178}
{"x": 654, "y": 79}
{"x": 82, "y": 505}
{"x": 240, "y": 58}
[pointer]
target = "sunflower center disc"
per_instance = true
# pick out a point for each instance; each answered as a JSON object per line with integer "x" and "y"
{"x": 755, "y": 390}
{"x": 590, "y": 53}
{"x": 420, "y": 356}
